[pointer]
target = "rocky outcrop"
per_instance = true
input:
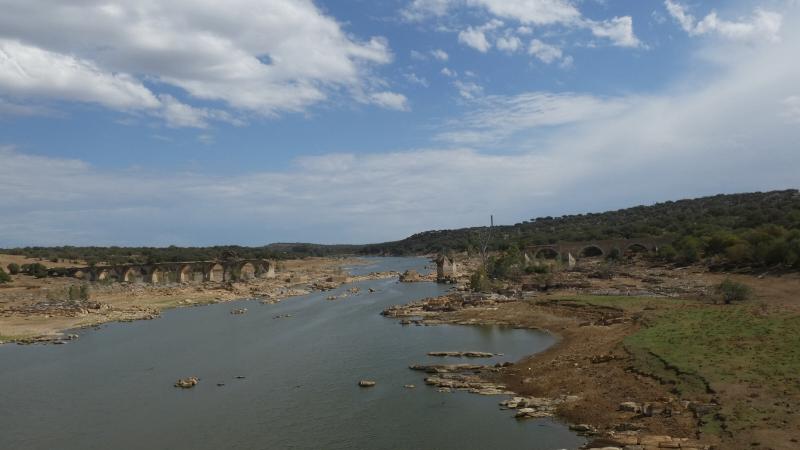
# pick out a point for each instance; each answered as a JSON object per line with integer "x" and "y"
{"x": 187, "y": 383}
{"x": 536, "y": 407}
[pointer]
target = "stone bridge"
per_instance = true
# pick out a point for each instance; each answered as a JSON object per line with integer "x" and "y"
{"x": 587, "y": 249}
{"x": 173, "y": 272}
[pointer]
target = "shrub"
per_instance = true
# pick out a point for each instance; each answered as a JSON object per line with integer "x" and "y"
{"x": 667, "y": 252}
{"x": 37, "y": 270}
{"x": 613, "y": 255}
{"x": 733, "y": 291}
{"x": 4, "y": 277}
{"x": 479, "y": 281}
{"x": 13, "y": 268}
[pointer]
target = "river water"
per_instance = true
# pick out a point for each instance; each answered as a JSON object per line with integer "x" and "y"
{"x": 112, "y": 388}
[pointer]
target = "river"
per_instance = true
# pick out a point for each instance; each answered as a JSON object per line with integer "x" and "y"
{"x": 112, "y": 388}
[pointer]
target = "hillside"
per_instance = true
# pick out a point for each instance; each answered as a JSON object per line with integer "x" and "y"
{"x": 761, "y": 228}
{"x": 758, "y": 228}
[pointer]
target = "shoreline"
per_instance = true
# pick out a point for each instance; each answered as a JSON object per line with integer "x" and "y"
{"x": 539, "y": 385}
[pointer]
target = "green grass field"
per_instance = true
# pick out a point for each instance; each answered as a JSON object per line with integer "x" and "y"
{"x": 719, "y": 347}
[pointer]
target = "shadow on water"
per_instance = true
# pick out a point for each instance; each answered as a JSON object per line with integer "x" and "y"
{"x": 112, "y": 388}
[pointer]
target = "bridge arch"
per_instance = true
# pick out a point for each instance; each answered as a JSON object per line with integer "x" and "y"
{"x": 158, "y": 276}
{"x": 546, "y": 253}
{"x": 133, "y": 275}
{"x": 107, "y": 275}
{"x": 185, "y": 274}
{"x": 247, "y": 271}
{"x": 216, "y": 273}
{"x": 591, "y": 251}
{"x": 636, "y": 248}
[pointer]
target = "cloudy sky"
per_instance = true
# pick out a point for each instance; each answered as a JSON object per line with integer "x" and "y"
{"x": 158, "y": 122}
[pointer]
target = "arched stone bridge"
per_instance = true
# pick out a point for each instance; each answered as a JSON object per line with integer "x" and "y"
{"x": 596, "y": 248}
{"x": 174, "y": 272}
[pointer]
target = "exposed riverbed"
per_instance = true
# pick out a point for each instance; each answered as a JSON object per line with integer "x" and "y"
{"x": 301, "y": 360}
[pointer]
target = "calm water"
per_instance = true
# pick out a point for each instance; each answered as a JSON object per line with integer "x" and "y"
{"x": 112, "y": 388}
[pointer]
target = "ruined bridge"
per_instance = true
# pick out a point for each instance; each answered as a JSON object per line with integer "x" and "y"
{"x": 586, "y": 249}
{"x": 174, "y": 272}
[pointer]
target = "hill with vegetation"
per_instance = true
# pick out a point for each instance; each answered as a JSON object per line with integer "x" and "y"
{"x": 755, "y": 229}
{"x": 761, "y": 228}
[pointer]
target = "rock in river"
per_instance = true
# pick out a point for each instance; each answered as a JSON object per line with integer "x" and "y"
{"x": 187, "y": 383}
{"x": 366, "y": 383}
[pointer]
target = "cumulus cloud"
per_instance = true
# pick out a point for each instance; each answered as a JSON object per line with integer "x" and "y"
{"x": 475, "y": 37}
{"x": 618, "y": 30}
{"x": 763, "y": 25}
{"x": 29, "y": 71}
{"x": 284, "y": 58}
{"x": 540, "y": 13}
{"x": 440, "y": 54}
{"x": 545, "y": 52}
{"x": 468, "y": 89}
{"x": 509, "y": 43}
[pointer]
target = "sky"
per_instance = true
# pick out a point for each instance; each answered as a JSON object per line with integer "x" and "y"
{"x": 177, "y": 122}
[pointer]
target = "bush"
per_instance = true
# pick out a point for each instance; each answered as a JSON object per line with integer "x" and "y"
{"x": 614, "y": 254}
{"x": 13, "y": 268}
{"x": 479, "y": 281}
{"x": 667, "y": 252}
{"x": 733, "y": 291}
{"x": 4, "y": 277}
{"x": 37, "y": 270}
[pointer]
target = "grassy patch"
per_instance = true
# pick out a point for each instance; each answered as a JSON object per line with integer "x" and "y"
{"x": 722, "y": 346}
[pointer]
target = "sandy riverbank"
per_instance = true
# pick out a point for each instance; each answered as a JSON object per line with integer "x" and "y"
{"x": 34, "y": 309}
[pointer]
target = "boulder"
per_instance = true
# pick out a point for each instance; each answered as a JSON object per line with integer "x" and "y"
{"x": 366, "y": 383}
{"x": 187, "y": 383}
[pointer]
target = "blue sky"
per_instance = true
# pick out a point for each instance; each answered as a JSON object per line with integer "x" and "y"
{"x": 193, "y": 123}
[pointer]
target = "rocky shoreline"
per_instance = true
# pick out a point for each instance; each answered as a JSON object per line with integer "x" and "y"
{"x": 564, "y": 400}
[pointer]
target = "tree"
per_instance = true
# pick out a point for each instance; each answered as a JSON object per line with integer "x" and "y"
{"x": 4, "y": 277}
{"x": 13, "y": 268}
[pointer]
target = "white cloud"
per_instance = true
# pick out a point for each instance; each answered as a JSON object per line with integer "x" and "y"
{"x": 448, "y": 72}
{"x": 468, "y": 89}
{"x": 422, "y": 9}
{"x": 255, "y": 57}
{"x": 497, "y": 118}
{"x": 531, "y": 12}
{"x": 440, "y": 54}
{"x": 390, "y": 100}
{"x": 541, "y": 13}
{"x": 29, "y": 71}
{"x": 413, "y": 78}
{"x": 508, "y": 44}
{"x": 763, "y": 25}
{"x": 544, "y": 52}
{"x": 475, "y": 37}
{"x": 619, "y": 30}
